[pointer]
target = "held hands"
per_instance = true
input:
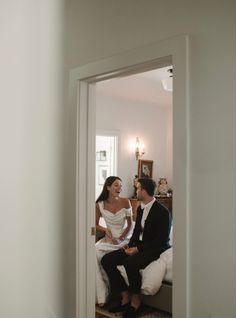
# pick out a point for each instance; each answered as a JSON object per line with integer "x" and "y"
{"x": 130, "y": 250}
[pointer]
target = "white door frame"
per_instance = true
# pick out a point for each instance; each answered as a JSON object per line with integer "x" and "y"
{"x": 173, "y": 51}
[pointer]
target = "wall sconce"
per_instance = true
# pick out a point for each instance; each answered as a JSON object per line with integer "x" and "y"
{"x": 139, "y": 149}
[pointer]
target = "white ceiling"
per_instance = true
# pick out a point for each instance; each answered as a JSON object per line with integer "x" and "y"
{"x": 143, "y": 87}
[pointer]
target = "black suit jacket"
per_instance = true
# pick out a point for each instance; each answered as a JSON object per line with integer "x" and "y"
{"x": 156, "y": 229}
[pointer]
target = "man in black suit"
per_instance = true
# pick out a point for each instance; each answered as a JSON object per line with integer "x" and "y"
{"x": 150, "y": 238}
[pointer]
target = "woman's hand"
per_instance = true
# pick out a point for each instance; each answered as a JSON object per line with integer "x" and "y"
{"x": 122, "y": 238}
{"x": 109, "y": 237}
{"x": 108, "y": 234}
{"x": 115, "y": 241}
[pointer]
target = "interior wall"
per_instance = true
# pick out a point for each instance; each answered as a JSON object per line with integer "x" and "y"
{"x": 96, "y": 30}
{"x": 150, "y": 123}
{"x": 31, "y": 165}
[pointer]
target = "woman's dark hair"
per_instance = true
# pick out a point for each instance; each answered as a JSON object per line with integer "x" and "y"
{"x": 105, "y": 193}
{"x": 148, "y": 184}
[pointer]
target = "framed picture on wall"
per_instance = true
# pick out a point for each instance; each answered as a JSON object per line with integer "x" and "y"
{"x": 145, "y": 168}
{"x": 102, "y": 174}
{"x": 101, "y": 155}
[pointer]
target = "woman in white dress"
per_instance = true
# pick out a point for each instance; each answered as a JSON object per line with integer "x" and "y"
{"x": 116, "y": 214}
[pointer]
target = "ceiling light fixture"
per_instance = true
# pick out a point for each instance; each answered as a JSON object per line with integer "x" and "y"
{"x": 167, "y": 82}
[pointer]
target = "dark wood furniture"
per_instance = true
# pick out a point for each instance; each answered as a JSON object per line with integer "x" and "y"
{"x": 166, "y": 201}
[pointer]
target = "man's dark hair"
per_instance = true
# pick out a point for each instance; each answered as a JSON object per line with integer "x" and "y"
{"x": 148, "y": 184}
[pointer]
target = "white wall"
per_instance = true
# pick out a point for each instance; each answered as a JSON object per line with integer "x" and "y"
{"x": 31, "y": 169}
{"x": 150, "y": 123}
{"x": 107, "y": 27}
{"x": 32, "y": 219}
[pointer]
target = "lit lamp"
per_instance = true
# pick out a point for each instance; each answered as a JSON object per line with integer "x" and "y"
{"x": 139, "y": 149}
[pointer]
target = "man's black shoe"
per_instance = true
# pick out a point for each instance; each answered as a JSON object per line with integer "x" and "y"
{"x": 119, "y": 308}
{"x": 131, "y": 312}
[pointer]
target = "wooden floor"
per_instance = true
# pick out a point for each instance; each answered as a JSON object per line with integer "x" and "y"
{"x": 107, "y": 315}
{"x": 101, "y": 313}
{"x": 100, "y": 316}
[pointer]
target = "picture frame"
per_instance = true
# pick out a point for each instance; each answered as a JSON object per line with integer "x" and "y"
{"x": 101, "y": 155}
{"x": 145, "y": 168}
{"x": 102, "y": 174}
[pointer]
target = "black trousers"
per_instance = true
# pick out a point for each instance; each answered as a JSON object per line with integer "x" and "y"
{"x": 132, "y": 265}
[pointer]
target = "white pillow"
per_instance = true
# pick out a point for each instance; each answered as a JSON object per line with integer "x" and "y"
{"x": 167, "y": 257}
{"x": 152, "y": 277}
{"x": 171, "y": 235}
{"x": 168, "y": 275}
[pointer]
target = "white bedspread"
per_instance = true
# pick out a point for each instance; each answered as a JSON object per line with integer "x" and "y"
{"x": 154, "y": 273}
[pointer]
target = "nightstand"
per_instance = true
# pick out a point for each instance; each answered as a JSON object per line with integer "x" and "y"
{"x": 166, "y": 201}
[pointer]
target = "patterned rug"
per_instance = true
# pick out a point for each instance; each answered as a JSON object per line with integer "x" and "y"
{"x": 148, "y": 313}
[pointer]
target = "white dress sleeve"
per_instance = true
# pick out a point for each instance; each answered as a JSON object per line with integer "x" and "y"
{"x": 128, "y": 212}
{"x": 101, "y": 207}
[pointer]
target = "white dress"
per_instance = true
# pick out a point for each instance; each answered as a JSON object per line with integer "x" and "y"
{"x": 116, "y": 223}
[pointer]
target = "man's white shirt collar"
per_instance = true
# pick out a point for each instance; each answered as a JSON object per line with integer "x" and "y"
{"x": 148, "y": 205}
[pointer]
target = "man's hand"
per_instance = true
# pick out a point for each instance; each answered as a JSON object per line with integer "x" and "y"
{"x": 125, "y": 247}
{"x": 131, "y": 250}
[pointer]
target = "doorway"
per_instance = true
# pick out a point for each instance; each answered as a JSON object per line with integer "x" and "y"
{"x": 170, "y": 52}
{"x": 141, "y": 106}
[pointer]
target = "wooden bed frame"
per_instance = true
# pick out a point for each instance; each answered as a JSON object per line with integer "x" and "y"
{"x": 162, "y": 300}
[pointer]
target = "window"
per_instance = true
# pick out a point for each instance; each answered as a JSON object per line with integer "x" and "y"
{"x": 106, "y": 159}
